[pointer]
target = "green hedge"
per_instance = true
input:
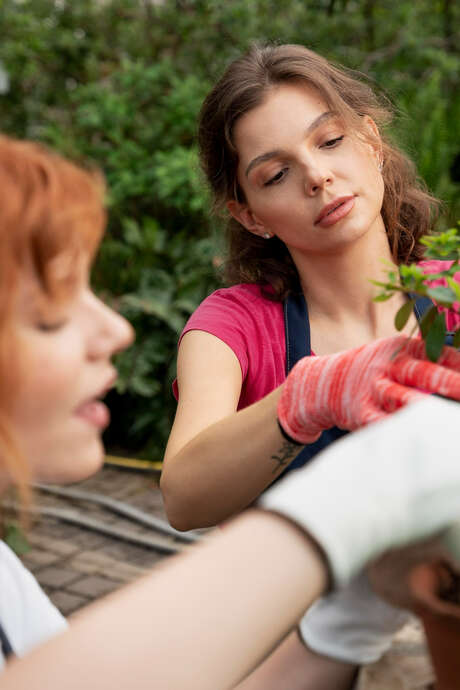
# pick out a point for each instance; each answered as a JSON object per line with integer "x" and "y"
{"x": 119, "y": 83}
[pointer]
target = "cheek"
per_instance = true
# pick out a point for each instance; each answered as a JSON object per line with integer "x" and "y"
{"x": 38, "y": 411}
{"x": 48, "y": 383}
{"x": 379, "y": 190}
{"x": 281, "y": 205}
{"x": 370, "y": 180}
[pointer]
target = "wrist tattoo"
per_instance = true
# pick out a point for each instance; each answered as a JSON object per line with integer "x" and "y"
{"x": 284, "y": 455}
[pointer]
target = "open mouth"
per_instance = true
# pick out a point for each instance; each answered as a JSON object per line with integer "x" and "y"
{"x": 95, "y": 412}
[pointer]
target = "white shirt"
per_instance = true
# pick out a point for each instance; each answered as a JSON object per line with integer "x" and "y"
{"x": 26, "y": 614}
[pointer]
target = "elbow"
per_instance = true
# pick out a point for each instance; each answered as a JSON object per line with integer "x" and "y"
{"x": 179, "y": 520}
{"x": 178, "y": 510}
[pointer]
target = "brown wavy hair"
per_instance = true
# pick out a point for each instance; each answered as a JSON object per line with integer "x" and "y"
{"x": 408, "y": 209}
{"x": 49, "y": 209}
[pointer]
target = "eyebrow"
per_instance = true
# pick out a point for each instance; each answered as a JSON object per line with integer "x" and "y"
{"x": 276, "y": 152}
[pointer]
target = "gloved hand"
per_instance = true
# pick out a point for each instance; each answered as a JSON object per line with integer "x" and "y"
{"x": 353, "y": 624}
{"x": 352, "y": 388}
{"x": 388, "y": 485}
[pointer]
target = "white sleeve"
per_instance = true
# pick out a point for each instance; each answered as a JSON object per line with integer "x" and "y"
{"x": 395, "y": 482}
{"x": 352, "y": 624}
{"x": 26, "y": 614}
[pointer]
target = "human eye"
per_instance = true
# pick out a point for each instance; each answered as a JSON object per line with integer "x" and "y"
{"x": 332, "y": 143}
{"x": 50, "y": 326}
{"x": 276, "y": 179}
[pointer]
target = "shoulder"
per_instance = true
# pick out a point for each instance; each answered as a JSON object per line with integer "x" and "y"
{"x": 26, "y": 613}
{"x": 12, "y": 571}
{"x": 245, "y": 297}
{"x": 235, "y": 309}
{"x": 252, "y": 326}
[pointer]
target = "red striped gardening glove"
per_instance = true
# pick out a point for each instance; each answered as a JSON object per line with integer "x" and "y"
{"x": 353, "y": 388}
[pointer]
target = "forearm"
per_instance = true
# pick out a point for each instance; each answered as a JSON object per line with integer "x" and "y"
{"x": 295, "y": 666}
{"x": 202, "y": 621}
{"x": 225, "y": 467}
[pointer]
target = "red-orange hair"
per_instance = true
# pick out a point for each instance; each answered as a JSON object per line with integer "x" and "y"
{"x": 49, "y": 208}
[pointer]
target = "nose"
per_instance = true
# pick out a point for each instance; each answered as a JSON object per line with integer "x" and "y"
{"x": 315, "y": 178}
{"x": 112, "y": 333}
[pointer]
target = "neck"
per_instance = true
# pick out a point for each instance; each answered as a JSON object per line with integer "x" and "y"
{"x": 337, "y": 284}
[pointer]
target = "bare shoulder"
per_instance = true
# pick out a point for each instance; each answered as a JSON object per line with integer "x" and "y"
{"x": 199, "y": 348}
{"x": 209, "y": 380}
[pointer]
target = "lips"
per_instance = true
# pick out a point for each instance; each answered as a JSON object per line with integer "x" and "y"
{"x": 93, "y": 410}
{"x": 335, "y": 211}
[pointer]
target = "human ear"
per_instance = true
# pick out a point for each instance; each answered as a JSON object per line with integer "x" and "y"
{"x": 243, "y": 214}
{"x": 374, "y": 140}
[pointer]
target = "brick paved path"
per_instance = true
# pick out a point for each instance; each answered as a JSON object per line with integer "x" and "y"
{"x": 74, "y": 565}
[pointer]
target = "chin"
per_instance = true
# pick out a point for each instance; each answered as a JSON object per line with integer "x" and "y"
{"x": 71, "y": 466}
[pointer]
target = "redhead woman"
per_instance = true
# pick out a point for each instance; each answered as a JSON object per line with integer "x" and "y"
{"x": 253, "y": 581}
{"x": 319, "y": 202}
{"x": 57, "y": 340}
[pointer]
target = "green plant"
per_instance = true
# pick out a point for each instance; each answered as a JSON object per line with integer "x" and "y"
{"x": 15, "y": 538}
{"x": 412, "y": 280}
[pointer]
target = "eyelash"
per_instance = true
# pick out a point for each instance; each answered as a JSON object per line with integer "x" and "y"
{"x": 334, "y": 142}
{"x": 274, "y": 179}
{"x": 330, "y": 144}
{"x": 50, "y": 327}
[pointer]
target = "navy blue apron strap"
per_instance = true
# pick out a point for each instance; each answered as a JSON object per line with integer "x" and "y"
{"x": 421, "y": 306}
{"x": 298, "y": 345}
{"x": 296, "y": 329}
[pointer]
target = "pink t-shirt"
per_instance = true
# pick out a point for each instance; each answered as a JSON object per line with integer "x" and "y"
{"x": 253, "y": 327}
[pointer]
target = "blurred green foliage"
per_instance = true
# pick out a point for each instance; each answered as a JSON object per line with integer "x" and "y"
{"x": 120, "y": 82}
{"x": 15, "y": 537}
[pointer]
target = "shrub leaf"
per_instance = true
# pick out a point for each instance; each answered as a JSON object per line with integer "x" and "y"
{"x": 403, "y": 314}
{"x": 434, "y": 341}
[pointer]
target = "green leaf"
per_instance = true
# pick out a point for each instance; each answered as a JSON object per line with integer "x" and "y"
{"x": 413, "y": 271}
{"x": 379, "y": 283}
{"x": 427, "y": 320}
{"x": 434, "y": 341}
{"x": 132, "y": 234}
{"x": 442, "y": 295}
{"x": 454, "y": 286}
{"x": 456, "y": 340}
{"x": 383, "y": 297}
{"x": 403, "y": 314}
{"x": 15, "y": 538}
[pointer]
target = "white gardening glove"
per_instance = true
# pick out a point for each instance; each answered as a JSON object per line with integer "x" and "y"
{"x": 390, "y": 484}
{"x": 352, "y": 624}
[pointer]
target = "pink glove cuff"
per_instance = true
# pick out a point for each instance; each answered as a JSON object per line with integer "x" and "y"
{"x": 291, "y": 417}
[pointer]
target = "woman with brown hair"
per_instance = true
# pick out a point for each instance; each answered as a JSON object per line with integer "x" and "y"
{"x": 319, "y": 203}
